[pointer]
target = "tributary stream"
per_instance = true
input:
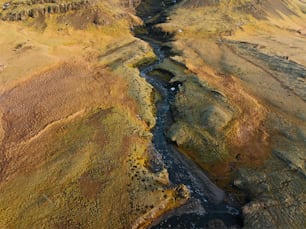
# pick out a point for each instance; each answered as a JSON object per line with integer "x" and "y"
{"x": 208, "y": 203}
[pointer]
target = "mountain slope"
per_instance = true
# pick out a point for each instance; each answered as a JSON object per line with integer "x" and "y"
{"x": 252, "y": 54}
{"x": 76, "y": 118}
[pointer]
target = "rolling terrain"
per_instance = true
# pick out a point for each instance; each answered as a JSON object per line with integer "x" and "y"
{"x": 77, "y": 117}
{"x": 240, "y": 112}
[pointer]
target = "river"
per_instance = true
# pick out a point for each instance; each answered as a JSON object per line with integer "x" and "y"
{"x": 208, "y": 205}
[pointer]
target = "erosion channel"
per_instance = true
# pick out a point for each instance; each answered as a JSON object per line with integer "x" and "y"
{"x": 208, "y": 204}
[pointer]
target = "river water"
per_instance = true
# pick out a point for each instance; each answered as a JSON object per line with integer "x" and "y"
{"x": 208, "y": 205}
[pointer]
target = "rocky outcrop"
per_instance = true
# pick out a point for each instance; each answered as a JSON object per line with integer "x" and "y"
{"x": 201, "y": 115}
{"x": 248, "y": 49}
{"x": 131, "y": 4}
{"x": 21, "y": 10}
{"x": 277, "y": 196}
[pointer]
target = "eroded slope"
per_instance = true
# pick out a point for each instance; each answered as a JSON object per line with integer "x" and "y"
{"x": 242, "y": 99}
{"x": 75, "y": 120}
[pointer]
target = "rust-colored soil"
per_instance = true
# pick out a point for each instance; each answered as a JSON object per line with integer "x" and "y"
{"x": 53, "y": 97}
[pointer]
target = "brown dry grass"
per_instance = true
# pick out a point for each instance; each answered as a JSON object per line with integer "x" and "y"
{"x": 246, "y": 132}
{"x": 50, "y": 98}
{"x": 276, "y": 27}
{"x": 70, "y": 132}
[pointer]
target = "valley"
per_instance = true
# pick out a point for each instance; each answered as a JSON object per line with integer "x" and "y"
{"x": 152, "y": 114}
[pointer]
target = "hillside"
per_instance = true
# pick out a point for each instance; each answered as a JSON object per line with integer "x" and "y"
{"x": 250, "y": 59}
{"x": 78, "y": 118}
{"x": 75, "y": 118}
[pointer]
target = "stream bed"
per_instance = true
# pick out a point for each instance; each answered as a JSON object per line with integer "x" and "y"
{"x": 209, "y": 206}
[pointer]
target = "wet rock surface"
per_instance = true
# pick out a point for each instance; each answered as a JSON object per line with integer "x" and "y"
{"x": 247, "y": 56}
{"x": 205, "y": 200}
{"x": 75, "y": 120}
{"x": 230, "y": 93}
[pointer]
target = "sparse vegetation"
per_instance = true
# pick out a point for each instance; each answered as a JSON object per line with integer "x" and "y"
{"x": 75, "y": 117}
{"x": 73, "y": 111}
{"x": 241, "y": 48}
